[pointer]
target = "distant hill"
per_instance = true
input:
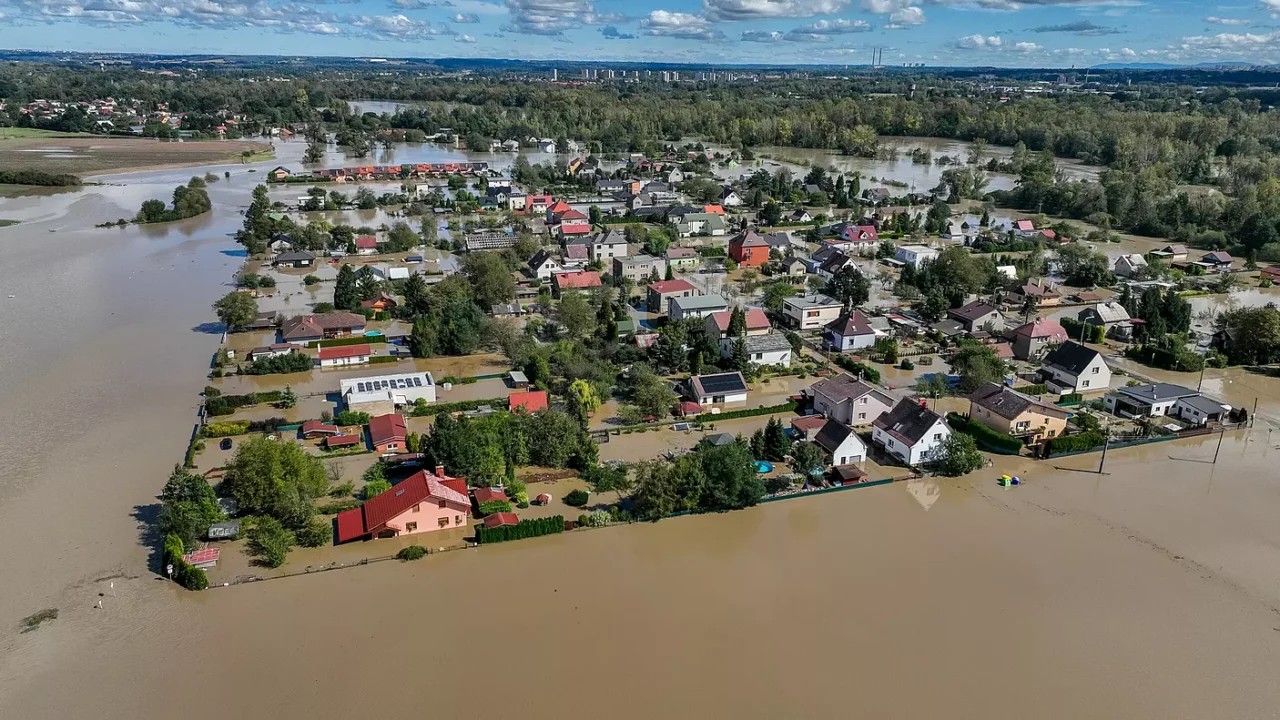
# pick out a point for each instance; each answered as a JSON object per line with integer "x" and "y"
{"x": 1170, "y": 66}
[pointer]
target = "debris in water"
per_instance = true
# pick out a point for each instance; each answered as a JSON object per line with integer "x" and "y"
{"x": 31, "y": 622}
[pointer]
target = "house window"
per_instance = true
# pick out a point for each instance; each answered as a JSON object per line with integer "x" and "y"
{"x": 441, "y": 503}
{"x": 1095, "y": 371}
{"x": 444, "y": 522}
{"x": 415, "y": 508}
{"x": 862, "y": 416}
{"x": 457, "y": 519}
{"x": 410, "y": 527}
{"x": 1052, "y": 433}
{"x": 862, "y": 401}
{"x": 1084, "y": 383}
{"x": 888, "y": 442}
{"x": 937, "y": 436}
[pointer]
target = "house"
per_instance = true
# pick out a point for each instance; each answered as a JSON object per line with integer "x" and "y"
{"x": 810, "y": 312}
{"x": 1112, "y": 316}
{"x": 849, "y": 475}
{"x": 1024, "y": 228}
{"x": 1171, "y": 253}
{"x": 382, "y": 394}
{"x": 639, "y": 268}
{"x": 698, "y": 306}
{"x": 605, "y": 247}
{"x": 382, "y": 303}
{"x": 1018, "y": 415}
{"x": 1152, "y": 400}
{"x": 979, "y": 315}
{"x": 756, "y": 321}
{"x": 500, "y": 519}
{"x": 366, "y": 245}
{"x": 807, "y": 427}
{"x": 511, "y": 309}
{"x": 278, "y": 173}
{"x": 530, "y": 401}
{"x": 1216, "y": 260}
{"x": 911, "y": 432}
{"x": 423, "y": 502}
{"x": 860, "y": 235}
{"x": 270, "y": 351}
{"x": 682, "y": 258}
{"x": 659, "y": 294}
{"x": 1072, "y": 367}
{"x": 849, "y": 333}
{"x": 572, "y": 227}
{"x": 784, "y": 242}
{"x": 721, "y": 388}
{"x": 841, "y": 443}
{"x": 1032, "y": 340}
{"x": 387, "y": 432}
{"x": 700, "y": 223}
{"x": 876, "y": 195}
{"x": 537, "y": 204}
{"x": 795, "y": 267}
{"x": 303, "y": 329}
{"x": 1199, "y": 410}
{"x": 543, "y": 265}
{"x": 344, "y": 355}
{"x": 333, "y": 442}
{"x": 576, "y": 280}
{"x": 1271, "y": 273}
{"x": 800, "y": 216}
{"x": 1038, "y": 292}
{"x": 749, "y": 249}
{"x": 848, "y": 400}
{"x": 771, "y": 349}
{"x": 914, "y": 254}
{"x": 729, "y": 198}
{"x": 314, "y": 429}
{"x": 831, "y": 262}
{"x": 1129, "y": 265}
{"x": 294, "y": 259}
{"x": 486, "y": 495}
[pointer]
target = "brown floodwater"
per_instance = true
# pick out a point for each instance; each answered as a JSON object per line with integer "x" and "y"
{"x": 1147, "y": 592}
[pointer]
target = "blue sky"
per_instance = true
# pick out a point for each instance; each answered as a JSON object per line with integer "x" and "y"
{"x": 1019, "y": 33}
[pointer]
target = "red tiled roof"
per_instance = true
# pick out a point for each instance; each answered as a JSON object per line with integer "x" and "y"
{"x": 204, "y": 555}
{"x": 366, "y": 241}
{"x": 689, "y": 407}
{"x": 484, "y": 495}
{"x": 315, "y": 426}
{"x": 861, "y": 233}
{"x": 500, "y": 519}
{"x": 714, "y": 209}
{"x": 385, "y": 428}
{"x": 341, "y": 440}
{"x": 530, "y": 401}
{"x": 663, "y": 287}
{"x": 1026, "y": 225}
{"x": 376, "y": 512}
{"x": 808, "y": 422}
{"x": 572, "y": 214}
{"x": 1042, "y": 329}
{"x": 580, "y": 279}
{"x": 344, "y": 351}
{"x": 458, "y": 485}
{"x": 559, "y": 207}
{"x": 756, "y": 319}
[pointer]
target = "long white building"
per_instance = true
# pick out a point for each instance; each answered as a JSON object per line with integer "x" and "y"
{"x": 382, "y": 394}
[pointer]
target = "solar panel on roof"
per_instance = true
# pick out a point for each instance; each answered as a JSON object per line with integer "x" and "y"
{"x": 417, "y": 382}
{"x": 719, "y": 384}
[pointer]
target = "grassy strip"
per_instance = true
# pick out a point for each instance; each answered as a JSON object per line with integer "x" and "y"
{"x": 985, "y": 436}
{"x": 788, "y": 406}
{"x": 867, "y": 372}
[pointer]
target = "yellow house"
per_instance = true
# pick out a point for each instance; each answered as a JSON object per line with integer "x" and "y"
{"x": 1010, "y": 412}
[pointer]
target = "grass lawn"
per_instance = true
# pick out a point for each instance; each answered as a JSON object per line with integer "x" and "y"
{"x": 10, "y": 133}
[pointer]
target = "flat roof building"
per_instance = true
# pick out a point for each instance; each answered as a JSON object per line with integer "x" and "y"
{"x": 386, "y": 392}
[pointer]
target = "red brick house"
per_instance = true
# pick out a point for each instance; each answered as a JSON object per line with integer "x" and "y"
{"x": 424, "y": 502}
{"x": 386, "y": 433}
{"x": 749, "y": 249}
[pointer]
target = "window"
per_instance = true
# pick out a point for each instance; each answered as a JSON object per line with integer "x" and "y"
{"x": 1084, "y": 383}
{"x": 937, "y": 436}
{"x": 1095, "y": 371}
{"x": 444, "y": 522}
{"x": 862, "y": 401}
{"x": 415, "y": 508}
{"x": 888, "y": 442}
{"x": 457, "y": 519}
{"x": 441, "y": 503}
{"x": 1052, "y": 433}
{"x": 862, "y": 416}
{"x": 410, "y": 527}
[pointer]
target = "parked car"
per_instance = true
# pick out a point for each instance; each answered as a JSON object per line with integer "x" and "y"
{"x": 225, "y": 444}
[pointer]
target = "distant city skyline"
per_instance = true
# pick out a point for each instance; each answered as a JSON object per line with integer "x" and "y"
{"x": 1002, "y": 33}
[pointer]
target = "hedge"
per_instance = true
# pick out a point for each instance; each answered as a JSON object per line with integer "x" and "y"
{"x": 189, "y": 577}
{"x": 983, "y": 435}
{"x": 460, "y": 406}
{"x": 1071, "y": 399}
{"x": 1040, "y": 389}
{"x": 868, "y": 373}
{"x": 1165, "y": 359}
{"x": 225, "y": 429}
{"x": 227, "y": 404}
{"x": 521, "y": 530}
{"x": 788, "y": 406}
{"x": 712, "y": 252}
{"x": 1075, "y": 443}
{"x": 376, "y": 359}
{"x": 1092, "y": 333}
{"x": 342, "y": 341}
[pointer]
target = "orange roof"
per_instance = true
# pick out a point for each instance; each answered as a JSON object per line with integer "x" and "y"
{"x": 343, "y": 351}
{"x": 717, "y": 209}
{"x": 530, "y": 401}
{"x": 385, "y": 428}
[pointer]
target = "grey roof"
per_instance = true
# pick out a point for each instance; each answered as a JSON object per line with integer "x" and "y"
{"x": 844, "y": 387}
{"x": 808, "y": 301}
{"x": 908, "y": 422}
{"x": 767, "y": 343}
{"x": 518, "y": 377}
{"x": 948, "y": 328}
{"x": 1071, "y": 357}
{"x": 699, "y": 302}
{"x": 294, "y": 256}
{"x": 1009, "y": 403}
{"x": 831, "y": 435}
{"x": 1204, "y": 404}
{"x": 1157, "y": 392}
{"x": 719, "y": 439}
{"x": 1107, "y": 312}
{"x": 975, "y": 310}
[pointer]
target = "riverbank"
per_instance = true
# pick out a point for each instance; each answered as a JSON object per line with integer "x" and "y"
{"x": 86, "y": 155}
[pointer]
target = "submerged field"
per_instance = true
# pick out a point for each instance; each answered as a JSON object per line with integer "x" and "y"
{"x": 26, "y": 149}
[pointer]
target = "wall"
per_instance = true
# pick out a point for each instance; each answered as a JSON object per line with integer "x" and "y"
{"x": 428, "y": 517}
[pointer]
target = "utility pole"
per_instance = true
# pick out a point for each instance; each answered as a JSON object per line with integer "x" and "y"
{"x": 1201, "y": 383}
{"x": 1105, "y": 445}
{"x": 1221, "y": 433}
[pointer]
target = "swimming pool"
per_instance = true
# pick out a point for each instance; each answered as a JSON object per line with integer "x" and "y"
{"x": 763, "y": 466}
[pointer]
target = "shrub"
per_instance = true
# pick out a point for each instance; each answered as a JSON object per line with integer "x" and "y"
{"x": 490, "y": 507}
{"x": 345, "y": 490}
{"x": 191, "y": 578}
{"x": 334, "y": 508}
{"x": 599, "y": 518}
{"x": 425, "y": 409}
{"x": 310, "y": 280}
{"x": 1040, "y": 389}
{"x": 225, "y": 429}
{"x": 295, "y": 361}
{"x": 269, "y": 542}
{"x": 867, "y": 372}
{"x": 413, "y": 552}
{"x": 519, "y": 531}
{"x": 349, "y": 417}
{"x": 353, "y": 340}
{"x": 577, "y": 498}
{"x": 1070, "y": 398}
{"x": 317, "y": 533}
{"x": 989, "y": 438}
{"x": 379, "y": 359}
{"x": 907, "y": 365}
{"x": 1076, "y": 443}
{"x": 374, "y": 488}
{"x": 1092, "y": 333}
{"x": 788, "y": 406}
{"x": 211, "y": 391}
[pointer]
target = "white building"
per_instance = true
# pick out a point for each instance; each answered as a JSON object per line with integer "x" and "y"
{"x": 811, "y": 312}
{"x": 771, "y": 349}
{"x": 543, "y": 265}
{"x": 911, "y": 433}
{"x": 344, "y": 355}
{"x": 841, "y": 443}
{"x": 371, "y": 394}
{"x": 914, "y": 254}
{"x": 698, "y": 306}
{"x": 854, "y": 333}
{"x": 1072, "y": 367}
{"x": 1152, "y": 400}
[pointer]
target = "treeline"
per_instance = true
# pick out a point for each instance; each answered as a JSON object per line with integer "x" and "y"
{"x": 37, "y": 177}
{"x": 188, "y": 201}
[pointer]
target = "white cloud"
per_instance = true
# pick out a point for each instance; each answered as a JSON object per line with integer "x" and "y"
{"x": 549, "y": 17}
{"x": 1025, "y": 47}
{"x": 1226, "y": 21}
{"x": 764, "y": 36}
{"x": 421, "y": 4}
{"x": 687, "y": 26}
{"x": 907, "y": 16}
{"x": 978, "y": 42}
{"x": 834, "y": 27}
{"x": 884, "y": 7}
{"x": 757, "y": 9}
{"x": 397, "y": 27}
{"x": 465, "y": 39}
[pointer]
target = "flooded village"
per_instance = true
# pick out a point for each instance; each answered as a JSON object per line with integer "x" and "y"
{"x": 797, "y": 444}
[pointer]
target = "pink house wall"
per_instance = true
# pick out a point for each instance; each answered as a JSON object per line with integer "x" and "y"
{"x": 428, "y": 514}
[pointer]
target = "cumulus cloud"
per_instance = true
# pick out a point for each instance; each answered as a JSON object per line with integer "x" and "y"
{"x": 420, "y": 4}
{"x": 979, "y": 42}
{"x": 397, "y": 27}
{"x": 611, "y": 32}
{"x": 686, "y": 26}
{"x": 834, "y": 27}
{"x": 1226, "y": 21}
{"x": 906, "y": 17}
{"x": 549, "y": 17}
{"x": 285, "y": 17}
{"x": 758, "y": 9}
{"x": 1025, "y": 47}
{"x": 466, "y": 18}
{"x": 764, "y": 36}
{"x": 465, "y": 39}
{"x": 1080, "y": 27}
{"x": 884, "y": 7}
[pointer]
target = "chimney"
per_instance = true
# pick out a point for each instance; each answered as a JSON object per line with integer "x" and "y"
{"x": 440, "y": 471}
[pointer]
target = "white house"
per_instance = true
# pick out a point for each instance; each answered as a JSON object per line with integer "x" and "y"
{"x": 543, "y": 265}
{"x": 379, "y": 392}
{"x": 850, "y": 333}
{"x": 810, "y": 312}
{"x": 1072, "y": 367}
{"x": 679, "y": 308}
{"x": 771, "y": 349}
{"x": 1128, "y": 265}
{"x": 841, "y": 443}
{"x": 721, "y": 388}
{"x": 911, "y": 432}
{"x": 848, "y": 400}
{"x": 1152, "y": 400}
{"x": 344, "y": 355}
{"x": 914, "y": 254}
{"x": 1199, "y": 410}
{"x": 729, "y": 198}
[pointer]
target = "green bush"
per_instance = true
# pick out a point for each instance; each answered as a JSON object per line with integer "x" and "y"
{"x": 227, "y": 404}
{"x": 1092, "y": 333}
{"x": 349, "y": 417}
{"x": 295, "y": 361}
{"x": 521, "y": 530}
{"x": 189, "y": 577}
{"x": 425, "y": 409}
{"x": 1184, "y": 361}
{"x": 598, "y": 518}
{"x": 374, "y": 489}
{"x": 225, "y": 429}
{"x": 1076, "y": 443}
{"x": 1070, "y": 398}
{"x": 788, "y": 406}
{"x": 269, "y": 542}
{"x": 490, "y": 507}
{"x": 413, "y": 552}
{"x": 379, "y": 359}
{"x": 1040, "y": 389}
{"x": 317, "y": 533}
{"x": 868, "y": 373}
{"x": 211, "y": 391}
{"x": 334, "y": 508}
{"x": 907, "y": 365}
{"x": 577, "y": 498}
{"x": 984, "y": 435}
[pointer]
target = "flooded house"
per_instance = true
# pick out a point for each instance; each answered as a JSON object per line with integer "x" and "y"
{"x": 424, "y": 502}
{"x": 303, "y": 329}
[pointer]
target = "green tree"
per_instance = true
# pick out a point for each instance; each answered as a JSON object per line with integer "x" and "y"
{"x": 575, "y": 313}
{"x": 346, "y": 295}
{"x": 582, "y": 400}
{"x": 775, "y": 437}
{"x": 776, "y": 294}
{"x": 490, "y": 278}
{"x": 850, "y": 287}
{"x": 188, "y": 506}
{"x": 737, "y": 322}
{"x": 422, "y": 337}
{"x": 236, "y": 309}
{"x": 270, "y": 477}
{"x": 959, "y": 455}
{"x": 270, "y": 542}
{"x": 977, "y": 365}
{"x": 808, "y": 460}
{"x": 288, "y": 398}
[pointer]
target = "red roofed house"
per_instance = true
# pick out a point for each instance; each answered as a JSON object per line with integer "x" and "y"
{"x": 557, "y": 209}
{"x": 579, "y": 280}
{"x": 530, "y": 401}
{"x": 718, "y": 323}
{"x": 861, "y": 234}
{"x": 661, "y": 292}
{"x": 366, "y": 245}
{"x": 1032, "y": 340}
{"x": 537, "y": 203}
{"x": 713, "y": 209}
{"x": 386, "y": 432}
{"x": 424, "y": 502}
{"x": 501, "y": 519}
{"x": 343, "y": 355}
{"x": 341, "y": 441}
{"x": 314, "y": 428}
{"x": 1025, "y": 226}
{"x": 749, "y": 249}
{"x": 573, "y": 226}
{"x": 382, "y": 303}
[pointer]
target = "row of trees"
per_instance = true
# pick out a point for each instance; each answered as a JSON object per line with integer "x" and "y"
{"x": 188, "y": 201}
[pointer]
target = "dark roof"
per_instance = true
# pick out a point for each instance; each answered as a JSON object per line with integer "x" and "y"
{"x": 973, "y": 311}
{"x": 1204, "y": 404}
{"x": 1072, "y": 357}
{"x": 294, "y": 256}
{"x": 844, "y": 387}
{"x": 1009, "y": 403}
{"x": 749, "y": 238}
{"x": 831, "y": 435}
{"x": 315, "y": 325}
{"x": 719, "y": 439}
{"x": 539, "y": 258}
{"x": 855, "y": 323}
{"x": 908, "y": 422}
{"x": 730, "y": 383}
{"x": 1157, "y": 392}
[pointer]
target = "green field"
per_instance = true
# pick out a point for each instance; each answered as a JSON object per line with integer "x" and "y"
{"x": 11, "y": 133}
